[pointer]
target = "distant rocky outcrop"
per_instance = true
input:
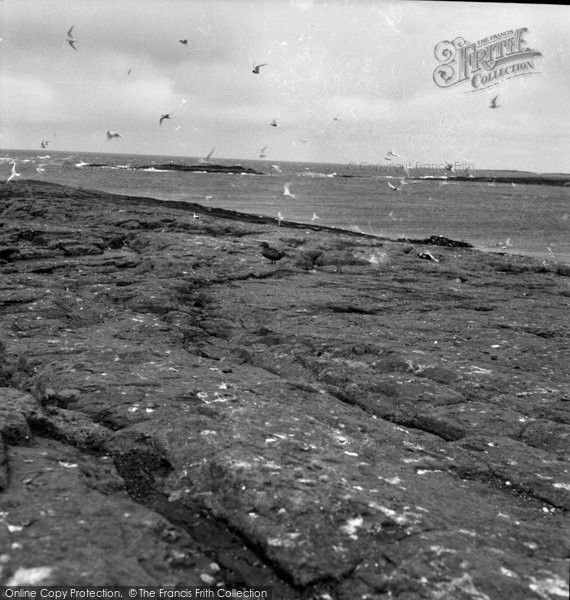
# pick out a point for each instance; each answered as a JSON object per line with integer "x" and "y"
{"x": 198, "y": 168}
{"x": 536, "y": 180}
{"x": 208, "y": 168}
{"x": 438, "y": 240}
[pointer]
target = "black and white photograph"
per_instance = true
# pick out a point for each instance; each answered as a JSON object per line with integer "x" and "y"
{"x": 284, "y": 300}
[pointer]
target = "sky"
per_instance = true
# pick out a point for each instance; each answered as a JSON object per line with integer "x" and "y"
{"x": 347, "y": 81}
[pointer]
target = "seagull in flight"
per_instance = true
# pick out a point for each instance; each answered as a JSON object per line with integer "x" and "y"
{"x": 13, "y": 174}
{"x": 449, "y": 167}
{"x": 279, "y": 218}
{"x": 286, "y": 191}
{"x": 40, "y": 169}
{"x": 393, "y": 187}
{"x": 112, "y": 134}
{"x": 262, "y": 152}
{"x": 44, "y": 143}
{"x": 162, "y": 117}
{"x": 184, "y": 42}
{"x": 304, "y": 140}
{"x": 257, "y": 67}
{"x": 276, "y": 168}
{"x": 129, "y": 71}
{"x": 505, "y": 244}
{"x": 205, "y": 160}
{"x": 392, "y": 153}
{"x": 315, "y": 217}
{"x": 494, "y": 102}
{"x": 70, "y": 39}
{"x": 274, "y": 123}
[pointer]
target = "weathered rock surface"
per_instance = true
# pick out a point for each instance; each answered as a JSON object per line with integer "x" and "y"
{"x": 354, "y": 422}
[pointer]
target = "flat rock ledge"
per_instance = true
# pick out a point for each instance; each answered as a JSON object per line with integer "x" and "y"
{"x": 352, "y": 422}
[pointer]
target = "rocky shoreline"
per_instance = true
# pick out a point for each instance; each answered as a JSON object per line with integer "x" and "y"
{"x": 353, "y": 422}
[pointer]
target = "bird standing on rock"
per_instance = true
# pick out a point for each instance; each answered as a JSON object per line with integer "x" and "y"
{"x": 271, "y": 253}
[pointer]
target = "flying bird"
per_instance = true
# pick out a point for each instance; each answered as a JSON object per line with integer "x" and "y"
{"x": 44, "y": 143}
{"x": 162, "y": 117}
{"x": 112, "y": 134}
{"x": 274, "y": 123}
{"x": 205, "y": 160}
{"x": 506, "y": 244}
{"x": 257, "y": 67}
{"x": 449, "y": 167}
{"x": 70, "y": 39}
{"x": 315, "y": 217}
{"x": 13, "y": 174}
{"x": 304, "y": 140}
{"x": 184, "y": 42}
{"x": 494, "y": 102}
{"x": 393, "y": 187}
{"x": 271, "y": 253}
{"x": 286, "y": 191}
{"x": 279, "y": 218}
{"x": 129, "y": 71}
{"x": 428, "y": 256}
{"x": 40, "y": 169}
{"x": 276, "y": 168}
{"x": 392, "y": 153}
{"x": 262, "y": 152}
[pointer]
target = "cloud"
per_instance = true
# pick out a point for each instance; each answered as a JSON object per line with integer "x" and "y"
{"x": 368, "y": 63}
{"x": 31, "y": 100}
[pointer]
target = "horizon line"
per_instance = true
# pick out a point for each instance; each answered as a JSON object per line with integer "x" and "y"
{"x": 345, "y": 163}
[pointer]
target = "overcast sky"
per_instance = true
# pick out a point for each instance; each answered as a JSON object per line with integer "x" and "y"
{"x": 353, "y": 79}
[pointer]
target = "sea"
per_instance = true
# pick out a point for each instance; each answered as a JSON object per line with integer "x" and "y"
{"x": 515, "y": 218}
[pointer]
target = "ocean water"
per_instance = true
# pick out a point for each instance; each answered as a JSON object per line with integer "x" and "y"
{"x": 534, "y": 219}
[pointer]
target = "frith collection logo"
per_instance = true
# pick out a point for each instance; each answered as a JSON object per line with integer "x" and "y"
{"x": 486, "y": 62}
